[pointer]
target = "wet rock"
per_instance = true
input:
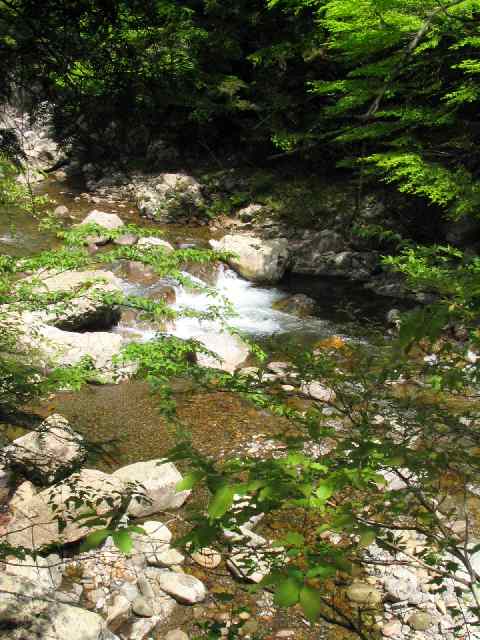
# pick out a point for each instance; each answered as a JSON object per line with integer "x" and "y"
{"x": 207, "y": 558}
{"x": 420, "y": 621}
{"x": 254, "y": 258}
{"x": 47, "y": 454}
{"x": 364, "y": 594}
{"x": 140, "y": 273}
{"x": 298, "y": 305}
{"x": 158, "y": 490}
{"x": 36, "y": 521}
{"x": 155, "y": 243}
{"x": 184, "y": 588}
{"x": 61, "y": 211}
{"x": 162, "y": 291}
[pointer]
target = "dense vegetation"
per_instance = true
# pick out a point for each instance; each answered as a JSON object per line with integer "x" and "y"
{"x": 385, "y": 91}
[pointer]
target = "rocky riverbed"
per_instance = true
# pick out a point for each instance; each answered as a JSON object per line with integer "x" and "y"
{"x": 155, "y": 589}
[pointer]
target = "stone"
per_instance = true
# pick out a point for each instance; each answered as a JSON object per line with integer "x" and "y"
{"x": 47, "y": 454}
{"x": 169, "y": 197}
{"x": 55, "y": 347}
{"x": 299, "y": 305}
{"x": 61, "y": 211}
{"x": 399, "y": 588}
{"x": 247, "y": 566}
{"x": 31, "y": 615}
{"x": 35, "y": 522}
{"x": 176, "y": 634}
{"x": 207, "y": 558}
{"x": 45, "y": 573}
{"x": 106, "y": 220}
{"x": 230, "y": 351}
{"x": 140, "y": 628}
{"x": 317, "y": 391}
{"x": 151, "y": 242}
{"x": 126, "y": 240}
{"x": 167, "y": 557}
{"x": 25, "y": 491}
{"x": 84, "y": 312}
{"x": 184, "y": 588}
{"x": 156, "y": 540}
{"x": 140, "y": 273}
{"x": 256, "y": 259}
{"x": 364, "y": 594}
{"x": 392, "y": 628}
{"x": 420, "y": 621}
{"x": 158, "y": 490}
{"x": 118, "y": 611}
{"x": 141, "y": 607}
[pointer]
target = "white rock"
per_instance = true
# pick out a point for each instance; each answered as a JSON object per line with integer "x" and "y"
{"x": 36, "y": 521}
{"x": 184, "y": 588}
{"x": 230, "y": 349}
{"x": 45, "y": 573}
{"x": 49, "y": 452}
{"x": 208, "y": 558}
{"x": 176, "y": 634}
{"x": 103, "y": 219}
{"x": 153, "y": 242}
{"x": 158, "y": 482}
{"x": 317, "y": 391}
{"x": 254, "y": 258}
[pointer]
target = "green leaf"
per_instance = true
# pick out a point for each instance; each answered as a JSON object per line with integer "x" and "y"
{"x": 324, "y": 491}
{"x": 287, "y": 592}
{"x": 321, "y": 571}
{"x": 367, "y": 536}
{"x": 221, "y": 502}
{"x": 94, "y": 539}
{"x": 189, "y": 481}
{"x": 310, "y": 603}
{"x": 123, "y": 540}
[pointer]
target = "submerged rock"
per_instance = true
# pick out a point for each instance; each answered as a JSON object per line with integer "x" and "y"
{"x": 254, "y": 258}
{"x": 298, "y": 304}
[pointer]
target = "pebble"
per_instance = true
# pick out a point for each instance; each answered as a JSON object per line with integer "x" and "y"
{"x": 176, "y": 634}
{"x": 420, "y": 621}
{"x": 392, "y": 628}
{"x": 207, "y": 558}
{"x": 141, "y": 607}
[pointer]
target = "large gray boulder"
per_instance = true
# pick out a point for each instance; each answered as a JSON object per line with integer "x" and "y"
{"x": 157, "y": 483}
{"x": 47, "y": 454}
{"x": 38, "y": 521}
{"x": 256, "y": 259}
{"x": 168, "y": 197}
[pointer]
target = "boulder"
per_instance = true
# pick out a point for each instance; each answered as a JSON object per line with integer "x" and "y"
{"x": 256, "y": 259}
{"x": 169, "y": 197}
{"x": 54, "y": 347}
{"x": 106, "y": 220}
{"x": 5, "y": 483}
{"x": 247, "y": 214}
{"x": 61, "y": 211}
{"x": 364, "y": 594}
{"x": 229, "y": 351}
{"x": 126, "y": 240}
{"x": 36, "y": 521}
{"x": 85, "y": 311}
{"x": 47, "y": 454}
{"x": 298, "y": 305}
{"x": 148, "y": 547}
{"x": 158, "y": 482}
{"x": 183, "y": 588}
{"x": 26, "y": 614}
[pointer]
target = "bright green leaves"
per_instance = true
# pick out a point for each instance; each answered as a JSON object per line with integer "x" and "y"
{"x": 310, "y": 602}
{"x": 122, "y": 538}
{"x": 221, "y": 502}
